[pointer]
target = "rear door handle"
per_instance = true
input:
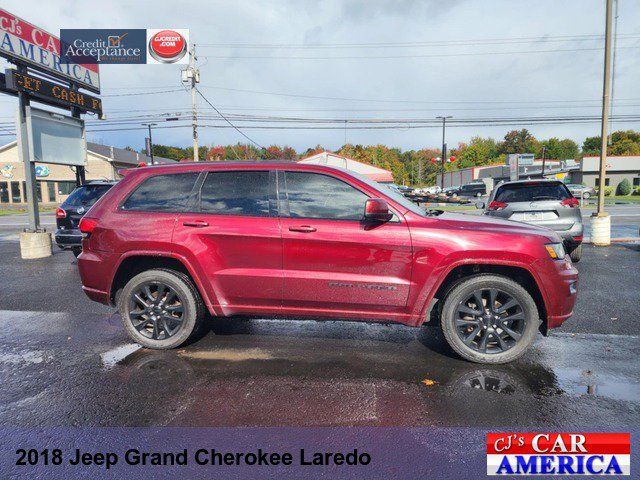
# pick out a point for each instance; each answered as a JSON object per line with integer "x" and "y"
{"x": 302, "y": 228}
{"x": 196, "y": 224}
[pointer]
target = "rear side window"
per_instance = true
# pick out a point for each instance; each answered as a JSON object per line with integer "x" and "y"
{"x": 530, "y": 192}
{"x": 162, "y": 193}
{"x": 313, "y": 195}
{"x": 236, "y": 193}
{"x": 86, "y": 195}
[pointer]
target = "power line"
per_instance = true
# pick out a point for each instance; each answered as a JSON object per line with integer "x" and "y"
{"x": 395, "y": 57}
{"x": 427, "y": 43}
{"x": 227, "y": 120}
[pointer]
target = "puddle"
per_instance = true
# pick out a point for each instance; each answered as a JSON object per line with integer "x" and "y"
{"x": 228, "y": 354}
{"x": 586, "y": 382}
{"x": 115, "y": 356}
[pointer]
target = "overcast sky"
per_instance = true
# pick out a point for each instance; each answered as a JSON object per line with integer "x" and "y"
{"x": 472, "y": 79}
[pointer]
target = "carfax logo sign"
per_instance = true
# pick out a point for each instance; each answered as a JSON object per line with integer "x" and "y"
{"x": 558, "y": 454}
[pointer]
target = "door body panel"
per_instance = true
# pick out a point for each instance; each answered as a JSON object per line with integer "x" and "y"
{"x": 346, "y": 265}
{"x": 241, "y": 257}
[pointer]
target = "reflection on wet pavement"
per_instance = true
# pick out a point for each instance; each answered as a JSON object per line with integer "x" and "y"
{"x": 285, "y": 372}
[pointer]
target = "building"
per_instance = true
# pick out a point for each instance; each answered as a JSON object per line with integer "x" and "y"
{"x": 493, "y": 174}
{"x": 618, "y": 168}
{"x": 55, "y": 182}
{"x": 334, "y": 160}
{"x": 585, "y": 171}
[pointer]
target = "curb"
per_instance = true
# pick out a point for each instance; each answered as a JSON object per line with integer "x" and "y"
{"x": 617, "y": 240}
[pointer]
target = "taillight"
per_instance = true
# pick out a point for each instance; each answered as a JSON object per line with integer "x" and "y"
{"x": 571, "y": 202}
{"x": 87, "y": 226}
{"x": 497, "y": 205}
{"x": 60, "y": 213}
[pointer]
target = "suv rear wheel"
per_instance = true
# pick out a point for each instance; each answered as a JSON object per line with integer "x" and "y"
{"x": 576, "y": 254}
{"x": 161, "y": 308}
{"x": 489, "y": 319}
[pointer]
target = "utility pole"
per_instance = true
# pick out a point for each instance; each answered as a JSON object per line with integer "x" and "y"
{"x": 443, "y": 157}
{"x": 613, "y": 67}
{"x": 150, "y": 141}
{"x": 192, "y": 75}
{"x": 544, "y": 158}
{"x": 600, "y": 221}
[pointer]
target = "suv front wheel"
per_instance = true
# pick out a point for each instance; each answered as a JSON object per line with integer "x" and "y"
{"x": 161, "y": 308}
{"x": 489, "y": 319}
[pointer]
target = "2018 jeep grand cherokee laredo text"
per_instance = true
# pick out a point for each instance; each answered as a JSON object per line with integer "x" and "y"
{"x": 169, "y": 243}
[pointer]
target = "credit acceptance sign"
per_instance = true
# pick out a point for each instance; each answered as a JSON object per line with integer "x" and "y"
{"x": 24, "y": 42}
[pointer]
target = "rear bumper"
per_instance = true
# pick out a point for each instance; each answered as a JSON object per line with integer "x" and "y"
{"x": 68, "y": 238}
{"x": 559, "y": 282}
{"x": 569, "y": 236}
{"x": 95, "y": 270}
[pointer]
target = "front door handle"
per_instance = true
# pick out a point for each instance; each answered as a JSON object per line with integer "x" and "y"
{"x": 302, "y": 228}
{"x": 196, "y": 224}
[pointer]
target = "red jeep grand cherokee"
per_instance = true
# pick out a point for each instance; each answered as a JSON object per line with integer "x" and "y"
{"x": 168, "y": 242}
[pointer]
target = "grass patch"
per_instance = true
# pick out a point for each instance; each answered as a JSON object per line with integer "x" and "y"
{"x": 16, "y": 211}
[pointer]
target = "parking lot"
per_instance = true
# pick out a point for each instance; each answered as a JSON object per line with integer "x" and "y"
{"x": 66, "y": 361}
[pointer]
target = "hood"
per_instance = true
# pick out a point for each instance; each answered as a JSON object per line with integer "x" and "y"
{"x": 498, "y": 225}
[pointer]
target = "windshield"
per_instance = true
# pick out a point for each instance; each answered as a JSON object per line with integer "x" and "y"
{"x": 391, "y": 193}
{"x": 529, "y": 192}
{"x": 86, "y": 195}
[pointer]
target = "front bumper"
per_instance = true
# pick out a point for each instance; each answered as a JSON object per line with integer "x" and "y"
{"x": 68, "y": 238}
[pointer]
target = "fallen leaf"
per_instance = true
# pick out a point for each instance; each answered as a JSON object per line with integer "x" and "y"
{"x": 428, "y": 382}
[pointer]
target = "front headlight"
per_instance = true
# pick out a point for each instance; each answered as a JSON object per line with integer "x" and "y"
{"x": 555, "y": 250}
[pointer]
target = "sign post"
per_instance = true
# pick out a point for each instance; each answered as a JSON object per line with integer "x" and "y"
{"x": 43, "y": 136}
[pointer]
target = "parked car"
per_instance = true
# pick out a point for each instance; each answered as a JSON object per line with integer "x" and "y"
{"x": 434, "y": 189}
{"x": 401, "y": 189}
{"x": 68, "y": 215}
{"x": 474, "y": 189}
{"x": 547, "y": 203}
{"x": 451, "y": 191}
{"x": 171, "y": 242}
{"x": 583, "y": 191}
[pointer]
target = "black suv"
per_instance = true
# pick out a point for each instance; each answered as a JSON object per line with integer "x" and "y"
{"x": 476, "y": 189}
{"x": 68, "y": 215}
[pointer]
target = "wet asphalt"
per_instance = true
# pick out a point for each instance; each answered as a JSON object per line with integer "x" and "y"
{"x": 65, "y": 361}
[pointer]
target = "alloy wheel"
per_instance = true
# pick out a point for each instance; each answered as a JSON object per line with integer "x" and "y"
{"x": 490, "y": 321}
{"x": 156, "y": 310}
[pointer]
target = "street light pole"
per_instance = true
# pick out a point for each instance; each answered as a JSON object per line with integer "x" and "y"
{"x": 444, "y": 148}
{"x": 601, "y": 222}
{"x": 150, "y": 140}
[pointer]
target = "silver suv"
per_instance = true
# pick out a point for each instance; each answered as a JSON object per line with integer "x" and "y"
{"x": 546, "y": 203}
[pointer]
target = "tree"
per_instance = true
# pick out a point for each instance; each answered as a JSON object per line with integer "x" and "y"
{"x": 518, "y": 141}
{"x": 624, "y": 187}
{"x": 557, "y": 149}
{"x": 479, "y": 151}
{"x": 623, "y": 142}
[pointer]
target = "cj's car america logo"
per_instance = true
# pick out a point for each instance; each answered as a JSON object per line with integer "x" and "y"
{"x": 558, "y": 454}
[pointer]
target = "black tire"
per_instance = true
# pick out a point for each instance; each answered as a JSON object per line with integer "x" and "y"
{"x": 505, "y": 286}
{"x": 77, "y": 251}
{"x": 576, "y": 254}
{"x": 586, "y": 195}
{"x": 186, "y": 297}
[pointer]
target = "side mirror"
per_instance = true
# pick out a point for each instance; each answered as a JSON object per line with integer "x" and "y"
{"x": 479, "y": 205}
{"x": 377, "y": 210}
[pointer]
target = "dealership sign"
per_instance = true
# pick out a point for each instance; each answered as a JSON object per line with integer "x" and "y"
{"x": 52, "y": 93}
{"x": 23, "y": 42}
{"x": 565, "y": 454}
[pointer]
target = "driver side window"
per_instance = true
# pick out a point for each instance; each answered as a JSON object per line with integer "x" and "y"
{"x": 314, "y": 195}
